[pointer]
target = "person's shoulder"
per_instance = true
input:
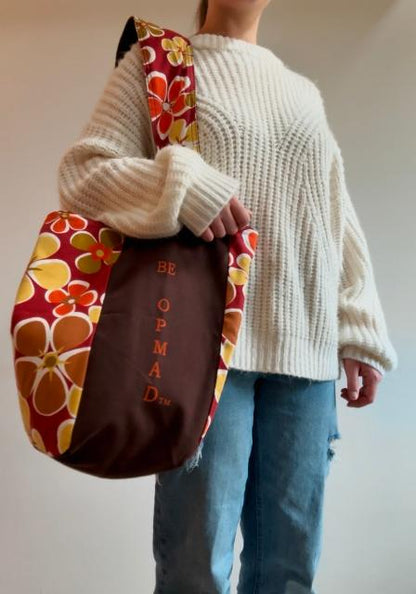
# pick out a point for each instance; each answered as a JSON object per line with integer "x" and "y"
{"x": 129, "y": 73}
{"x": 132, "y": 56}
{"x": 311, "y": 108}
{"x": 304, "y": 87}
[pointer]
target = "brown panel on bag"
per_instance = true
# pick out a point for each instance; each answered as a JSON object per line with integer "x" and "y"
{"x": 171, "y": 420}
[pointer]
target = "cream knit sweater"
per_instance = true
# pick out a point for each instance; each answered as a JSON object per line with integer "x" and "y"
{"x": 311, "y": 297}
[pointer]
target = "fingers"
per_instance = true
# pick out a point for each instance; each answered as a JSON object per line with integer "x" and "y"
{"x": 358, "y": 403}
{"x": 239, "y": 212}
{"x": 352, "y": 368}
{"x": 352, "y": 392}
{"x": 232, "y": 217}
{"x": 364, "y": 395}
{"x": 371, "y": 378}
{"x": 217, "y": 227}
{"x": 207, "y": 235}
{"x": 228, "y": 220}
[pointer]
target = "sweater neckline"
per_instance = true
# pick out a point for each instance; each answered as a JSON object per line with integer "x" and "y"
{"x": 219, "y": 42}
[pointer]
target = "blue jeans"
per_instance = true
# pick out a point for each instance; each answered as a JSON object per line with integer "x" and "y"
{"x": 263, "y": 463}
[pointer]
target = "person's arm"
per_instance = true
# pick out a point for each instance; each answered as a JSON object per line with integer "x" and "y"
{"x": 363, "y": 333}
{"x": 111, "y": 173}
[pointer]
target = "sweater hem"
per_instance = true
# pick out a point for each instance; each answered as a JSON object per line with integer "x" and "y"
{"x": 289, "y": 355}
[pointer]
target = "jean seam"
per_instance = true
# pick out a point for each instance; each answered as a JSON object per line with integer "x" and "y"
{"x": 160, "y": 541}
{"x": 258, "y": 559}
{"x": 333, "y": 434}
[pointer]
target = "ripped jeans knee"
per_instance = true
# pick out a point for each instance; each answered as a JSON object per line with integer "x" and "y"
{"x": 190, "y": 463}
{"x": 331, "y": 450}
{"x": 193, "y": 461}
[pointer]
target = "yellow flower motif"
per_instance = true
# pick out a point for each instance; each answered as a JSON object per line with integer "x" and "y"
{"x": 25, "y": 413}
{"x": 181, "y": 133}
{"x": 244, "y": 261}
{"x": 227, "y": 349}
{"x": 179, "y": 51}
{"x": 46, "y": 272}
{"x": 94, "y": 311}
{"x": 74, "y": 399}
{"x": 37, "y": 441}
{"x": 146, "y": 29}
{"x": 97, "y": 252}
{"x": 237, "y": 275}
{"x": 219, "y": 385}
{"x": 64, "y": 435}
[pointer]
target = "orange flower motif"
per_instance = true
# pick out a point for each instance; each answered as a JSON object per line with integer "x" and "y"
{"x": 166, "y": 103}
{"x": 49, "y": 357}
{"x": 98, "y": 252}
{"x": 62, "y": 220}
{"x": 77, "y": 294}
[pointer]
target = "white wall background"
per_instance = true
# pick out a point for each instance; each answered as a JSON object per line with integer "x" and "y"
{"x": 64, "y": 532}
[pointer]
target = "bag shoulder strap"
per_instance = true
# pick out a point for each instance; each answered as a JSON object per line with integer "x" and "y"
{"x": 170, "y": 81}
{"x": 127, "y": 39}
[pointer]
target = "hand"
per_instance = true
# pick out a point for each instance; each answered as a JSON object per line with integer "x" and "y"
{"x": 232, "y": 217}
{"x": 355, "y": 395}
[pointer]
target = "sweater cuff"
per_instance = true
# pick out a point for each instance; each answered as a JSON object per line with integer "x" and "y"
{"x": 206, "y": 195}
{"x": 354, "y": 352}
{"x": 359, "y": 339}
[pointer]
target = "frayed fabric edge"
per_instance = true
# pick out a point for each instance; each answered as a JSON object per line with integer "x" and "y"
{"x": 193, "y": 461}
{"x": 190, "y": 463}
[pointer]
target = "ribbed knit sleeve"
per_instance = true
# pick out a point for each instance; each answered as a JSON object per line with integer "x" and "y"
{"x": 363, "y": 333}
{"x": 111, "y": 172}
